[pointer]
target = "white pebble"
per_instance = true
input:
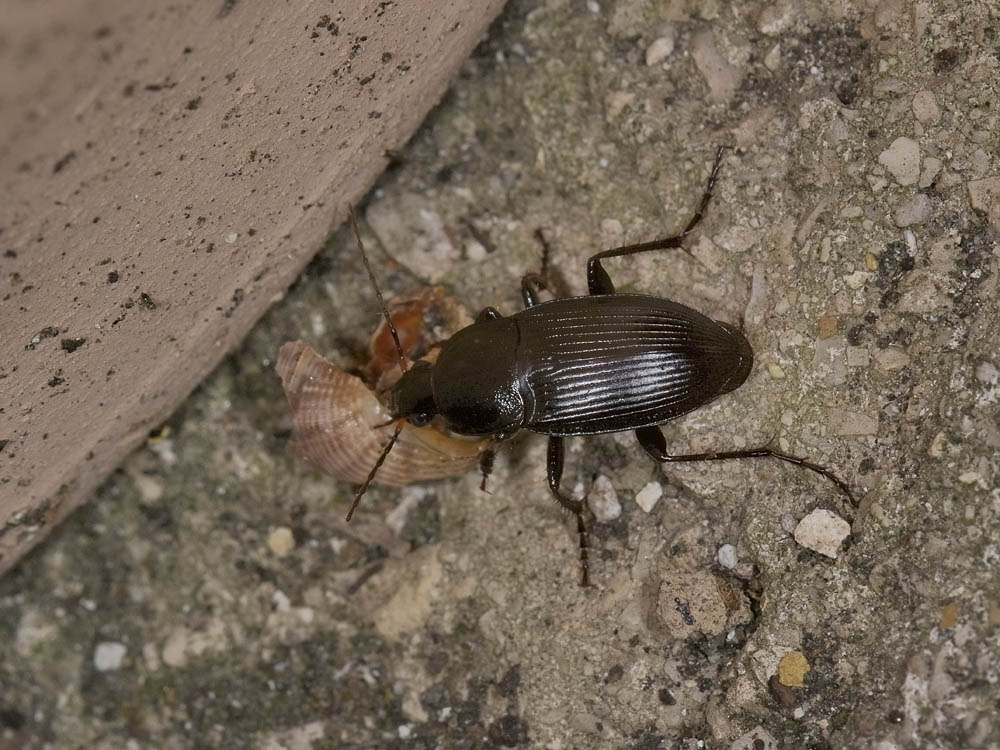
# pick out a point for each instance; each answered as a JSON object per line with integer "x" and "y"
{"x": 987, "y": 372}
{"x": 281, "y": 541}
{"x": 648, "y": 495}
{"x": 727, "y": 556}
{"x": 659, "y": 50}
{"x": 902, "y": 159}
{"x": 914, "y": 210}
{"x": 925, "y": 107}
{"x": 603, "y": 500}
{"x": 108, "y": 656}
{"x": 823, "y": 532}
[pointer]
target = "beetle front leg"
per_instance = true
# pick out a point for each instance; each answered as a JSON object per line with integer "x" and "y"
{"x": 598, "y": 281}
{"x": 554, "y": 466}
{"x": 533, "y": 283}
{"x": 652, "y": 441}
{"x": 486, "y": 459}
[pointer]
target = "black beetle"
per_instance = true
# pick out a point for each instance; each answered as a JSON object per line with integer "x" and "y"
{"x": 608, "y": 362}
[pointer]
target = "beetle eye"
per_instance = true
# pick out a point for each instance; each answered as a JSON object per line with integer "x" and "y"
{"x": 419, "y": 420}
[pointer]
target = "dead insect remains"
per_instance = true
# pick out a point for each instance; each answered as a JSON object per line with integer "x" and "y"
{"x": 340, "y": 423}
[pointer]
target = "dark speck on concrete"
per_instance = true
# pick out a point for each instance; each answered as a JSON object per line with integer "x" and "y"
{"x": 71, "y": 345}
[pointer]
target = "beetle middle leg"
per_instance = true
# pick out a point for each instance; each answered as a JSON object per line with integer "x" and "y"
{"x": 598, "y": 281}
{"x": 533, "y": 283}
{"x": 652, "y": 441}
{"x": 554, "y": 465}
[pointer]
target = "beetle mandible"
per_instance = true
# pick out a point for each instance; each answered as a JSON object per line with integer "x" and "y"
{"x": 607, "y": 362}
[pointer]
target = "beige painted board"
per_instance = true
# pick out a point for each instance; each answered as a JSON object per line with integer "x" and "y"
{"x": 166, "y": 170}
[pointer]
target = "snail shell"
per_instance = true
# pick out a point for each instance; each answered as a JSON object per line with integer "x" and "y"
{"x": 341, "y": 425}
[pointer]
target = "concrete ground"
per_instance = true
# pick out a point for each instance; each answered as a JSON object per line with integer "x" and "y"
{"x": 211, "y": 595}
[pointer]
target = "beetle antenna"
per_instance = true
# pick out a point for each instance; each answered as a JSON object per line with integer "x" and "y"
{"x": 385, "y": 311}
{"x": 378, "y": 465}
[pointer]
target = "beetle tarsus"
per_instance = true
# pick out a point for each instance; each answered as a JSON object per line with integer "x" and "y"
{"x": 531, "y": 285}
{"x": 554, "y": 466}
{"x": 598, "y": 281}
{"x": 652, "y": 441}
{"x": 486, "y": 459}
{"x": 546, "y": 252}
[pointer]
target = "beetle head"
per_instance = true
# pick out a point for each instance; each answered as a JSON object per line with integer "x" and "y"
{"x": 412, "y": 397}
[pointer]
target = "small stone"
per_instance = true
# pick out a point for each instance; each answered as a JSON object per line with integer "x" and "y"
{"x": 925, "y": 107}
{"x": 843, "y": 422}
{"x": 281, "y": 541}
{"x": 822, "y": 532}
{"x": 788, "y": 523}
{"x": 108, "y": 656}
{"x": 891, "y": 358}
{"x": 727, "y": 556}
{"x": 941, "y": 447}
{"x": 281, "y": 601}
{"x": 150, "y": 489}
{"x": 828, "y": 326}
{"x": 929, "y": 173}
{"x": 722, "y": 77}
{"x": 858, "y": 356}
{"x": 987, "y": 372}
{"x": 984, "y": 195}
{"x": 786, "y": 696}
{"x": 914, "y": 210}
{"x": 949, "y": 616}
{"x": 858, "y": 279}
{"x": 648, "y": 496}
{"x": 175, "y": 649}
{"x": 615, "y": 103}
{"x": 659, "y": 50}
{"x": 902, "y": 159}
{"x": 994, "y": 614}
{"x": 603, "y": 500}
{"x": 697, "y": 603}
{"x": 772, "y": 60}
{"x": 776, "y": 18}
{"x": 792, "y": 669}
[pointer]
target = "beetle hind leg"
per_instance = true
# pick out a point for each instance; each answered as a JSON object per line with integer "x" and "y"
{"x": 598, "y": 281}
{"x": 554, "y": 466}
{"x": 652, "y": 441}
